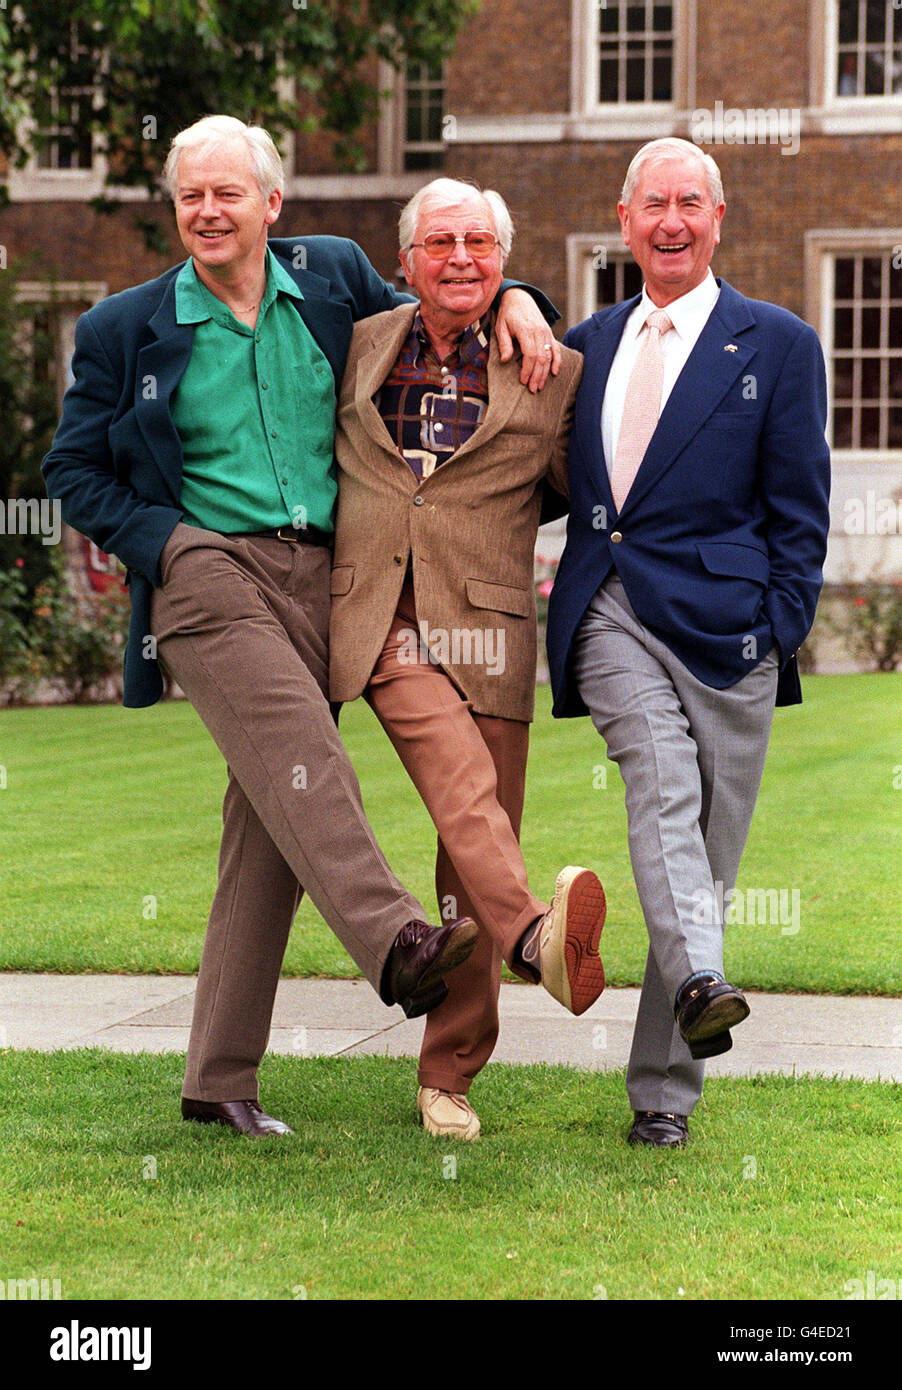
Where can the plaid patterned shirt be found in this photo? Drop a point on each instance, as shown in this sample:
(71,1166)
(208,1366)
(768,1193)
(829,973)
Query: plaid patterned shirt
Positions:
(431,408)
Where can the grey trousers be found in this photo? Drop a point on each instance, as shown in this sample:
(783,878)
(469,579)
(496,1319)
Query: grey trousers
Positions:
(691,758)
(242,625)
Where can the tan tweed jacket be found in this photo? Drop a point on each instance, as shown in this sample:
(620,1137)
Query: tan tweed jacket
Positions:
(470,528)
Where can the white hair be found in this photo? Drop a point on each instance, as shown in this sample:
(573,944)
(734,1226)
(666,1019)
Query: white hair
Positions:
(211,131)
(453,191)
(670,147)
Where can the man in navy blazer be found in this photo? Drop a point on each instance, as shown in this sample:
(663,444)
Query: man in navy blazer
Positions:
(196,444)
(689,579)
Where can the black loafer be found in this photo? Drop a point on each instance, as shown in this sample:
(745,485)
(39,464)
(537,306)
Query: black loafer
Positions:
(419,959)
(662,1131)
(706,1008)
(245,1116)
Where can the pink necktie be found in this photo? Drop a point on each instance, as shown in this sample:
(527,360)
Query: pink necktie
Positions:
(641,407)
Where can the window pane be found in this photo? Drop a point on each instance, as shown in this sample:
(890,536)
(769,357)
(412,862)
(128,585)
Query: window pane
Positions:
(632,279)
(635,19)
(895,428)
(607,89)
(844,277)
(895,280)
(842,328)
(842,379)
(842,428)
(848,21)
(609,18)
(870,379)
(895,328)
(871,275)
(661,69)
(635,78)
(870,328)
(847,77)
(870,429)
(662,19)
(875,24)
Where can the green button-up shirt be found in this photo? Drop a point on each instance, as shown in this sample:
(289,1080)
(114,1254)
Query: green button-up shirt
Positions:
(255,411)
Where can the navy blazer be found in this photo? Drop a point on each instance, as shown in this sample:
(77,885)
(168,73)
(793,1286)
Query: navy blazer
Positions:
(721,541)
(116,459)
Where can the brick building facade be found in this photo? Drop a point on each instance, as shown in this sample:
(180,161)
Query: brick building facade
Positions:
(800,102)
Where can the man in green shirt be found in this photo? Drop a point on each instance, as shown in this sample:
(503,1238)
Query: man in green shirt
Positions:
(196,445)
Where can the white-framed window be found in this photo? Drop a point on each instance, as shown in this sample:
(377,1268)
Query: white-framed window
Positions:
(856,66)
(867,40)
(855,298)
(63,118)
(600,272)
(634,52)
(865,359)
(53,311)
(631,67)
(422,95)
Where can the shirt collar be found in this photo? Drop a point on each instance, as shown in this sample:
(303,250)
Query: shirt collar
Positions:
(194,303)
(684,313)
(471,344)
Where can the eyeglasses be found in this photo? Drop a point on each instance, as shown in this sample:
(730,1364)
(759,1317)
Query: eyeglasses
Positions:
(439,245)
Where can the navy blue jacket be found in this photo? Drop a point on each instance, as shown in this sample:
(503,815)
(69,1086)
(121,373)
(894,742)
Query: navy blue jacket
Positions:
(721,540)
(116,459)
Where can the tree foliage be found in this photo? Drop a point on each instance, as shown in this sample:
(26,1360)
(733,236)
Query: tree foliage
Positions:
(155,66)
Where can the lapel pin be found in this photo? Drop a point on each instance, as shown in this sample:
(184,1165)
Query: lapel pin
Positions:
(731,347)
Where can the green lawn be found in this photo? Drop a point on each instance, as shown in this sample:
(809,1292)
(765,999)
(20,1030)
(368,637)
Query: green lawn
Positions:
(788,1190)
(109,823)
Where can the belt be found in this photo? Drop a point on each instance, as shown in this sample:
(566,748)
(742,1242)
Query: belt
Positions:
(307,535)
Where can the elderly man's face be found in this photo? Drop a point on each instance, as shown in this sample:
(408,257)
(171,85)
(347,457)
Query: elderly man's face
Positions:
(458,289)
(221,213)
(671,226)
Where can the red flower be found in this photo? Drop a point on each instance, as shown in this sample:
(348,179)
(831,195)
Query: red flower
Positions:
(859,603)
(20,563)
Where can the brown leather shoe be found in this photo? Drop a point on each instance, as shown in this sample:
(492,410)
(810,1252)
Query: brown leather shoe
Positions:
(244,1115)
(419,958)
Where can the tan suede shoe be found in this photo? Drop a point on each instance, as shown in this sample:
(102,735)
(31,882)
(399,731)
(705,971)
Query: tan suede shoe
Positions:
(446,1115)
(569,938)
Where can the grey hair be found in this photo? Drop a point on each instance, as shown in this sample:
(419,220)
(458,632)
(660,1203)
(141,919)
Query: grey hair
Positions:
(211,131)
(454,191)
(670,147)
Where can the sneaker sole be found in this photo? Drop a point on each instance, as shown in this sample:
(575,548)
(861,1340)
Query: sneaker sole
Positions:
(572,970)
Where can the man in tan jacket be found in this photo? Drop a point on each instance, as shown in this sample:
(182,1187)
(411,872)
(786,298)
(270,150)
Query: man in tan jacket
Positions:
(441,454)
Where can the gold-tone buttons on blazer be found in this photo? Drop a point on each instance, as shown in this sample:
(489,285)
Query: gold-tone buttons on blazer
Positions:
(616,537)
(418,501)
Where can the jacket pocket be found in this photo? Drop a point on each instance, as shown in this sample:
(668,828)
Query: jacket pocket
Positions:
(342,580)
(501,598)
(734,559)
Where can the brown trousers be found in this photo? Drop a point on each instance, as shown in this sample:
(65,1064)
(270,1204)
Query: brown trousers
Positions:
(242,625)
(470,771)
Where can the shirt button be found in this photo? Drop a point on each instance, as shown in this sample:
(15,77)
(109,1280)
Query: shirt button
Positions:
(438,428)
(399,559)
(418,501)
(616,537)
(264,385)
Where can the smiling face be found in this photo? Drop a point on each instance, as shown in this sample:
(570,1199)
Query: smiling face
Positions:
(459,289)
(671,226)
(221,213)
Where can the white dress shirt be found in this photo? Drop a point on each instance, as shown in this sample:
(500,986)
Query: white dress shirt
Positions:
(688,314)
